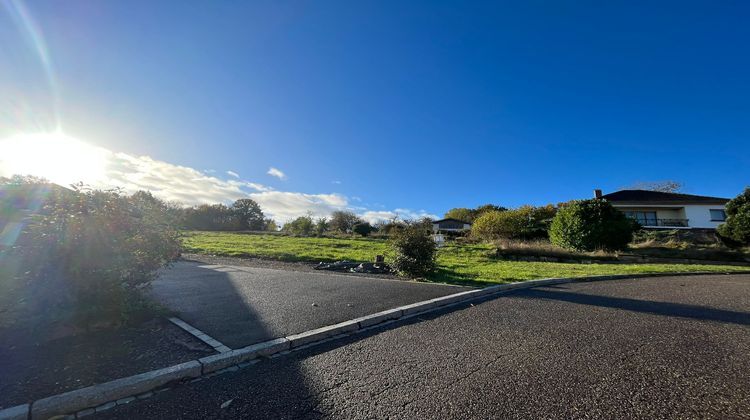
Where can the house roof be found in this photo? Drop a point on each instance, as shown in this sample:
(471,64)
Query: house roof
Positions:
(451,220)
(658,197)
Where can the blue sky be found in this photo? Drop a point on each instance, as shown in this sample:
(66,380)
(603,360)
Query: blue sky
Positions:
(386,105)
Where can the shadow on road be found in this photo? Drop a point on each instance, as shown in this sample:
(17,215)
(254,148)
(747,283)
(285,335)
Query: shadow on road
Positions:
(704,313)
(208,297)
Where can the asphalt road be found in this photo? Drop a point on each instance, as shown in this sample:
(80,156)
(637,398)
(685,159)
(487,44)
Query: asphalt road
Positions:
(671,347)
(240,306)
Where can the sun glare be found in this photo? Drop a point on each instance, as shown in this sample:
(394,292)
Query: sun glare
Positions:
(55,156)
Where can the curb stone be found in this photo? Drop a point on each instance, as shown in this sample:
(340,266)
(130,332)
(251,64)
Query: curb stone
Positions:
(19,412)
(96,395)
(86,400)
(233,357)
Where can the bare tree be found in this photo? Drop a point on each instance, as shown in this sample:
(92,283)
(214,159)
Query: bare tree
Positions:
(668,186)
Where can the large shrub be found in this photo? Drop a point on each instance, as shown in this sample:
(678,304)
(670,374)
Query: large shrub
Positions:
(363,229)
(588,225)
(301,226)
(737,225)
(525,222)
(105,246)
(343,221)
(413,250)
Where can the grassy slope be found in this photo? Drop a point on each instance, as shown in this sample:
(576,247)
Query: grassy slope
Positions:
(457,264)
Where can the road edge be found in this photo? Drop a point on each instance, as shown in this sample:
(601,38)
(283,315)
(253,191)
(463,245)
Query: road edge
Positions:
(83,401)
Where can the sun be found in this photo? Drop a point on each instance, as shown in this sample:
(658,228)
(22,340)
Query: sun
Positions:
(55,156)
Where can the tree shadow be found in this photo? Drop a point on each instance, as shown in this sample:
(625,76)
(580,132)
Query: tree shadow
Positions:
(703,313)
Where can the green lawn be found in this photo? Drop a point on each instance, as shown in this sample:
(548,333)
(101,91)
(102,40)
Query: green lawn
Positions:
(456,263)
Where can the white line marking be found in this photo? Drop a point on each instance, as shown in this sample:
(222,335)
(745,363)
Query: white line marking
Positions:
(200,335)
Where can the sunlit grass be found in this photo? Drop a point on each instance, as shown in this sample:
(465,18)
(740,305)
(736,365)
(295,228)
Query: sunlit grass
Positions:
(472,264)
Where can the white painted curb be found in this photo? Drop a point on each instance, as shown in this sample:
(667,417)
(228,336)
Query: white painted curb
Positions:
(121,391)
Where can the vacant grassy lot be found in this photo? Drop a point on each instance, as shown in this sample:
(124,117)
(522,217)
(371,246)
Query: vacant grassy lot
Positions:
(457,264)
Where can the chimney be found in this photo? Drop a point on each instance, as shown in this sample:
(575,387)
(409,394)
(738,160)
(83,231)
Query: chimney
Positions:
(598,193)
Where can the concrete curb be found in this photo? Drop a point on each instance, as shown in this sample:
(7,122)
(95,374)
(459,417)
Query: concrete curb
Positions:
(121,391)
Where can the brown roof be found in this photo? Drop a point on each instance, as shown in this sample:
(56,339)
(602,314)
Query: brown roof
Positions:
(658,197)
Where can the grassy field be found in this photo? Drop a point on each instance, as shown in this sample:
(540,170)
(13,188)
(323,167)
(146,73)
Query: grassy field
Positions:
(456,263)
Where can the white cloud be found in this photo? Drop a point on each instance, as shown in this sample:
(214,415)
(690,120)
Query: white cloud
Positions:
(172,182)
(337,182)
(277,173)
(233,174)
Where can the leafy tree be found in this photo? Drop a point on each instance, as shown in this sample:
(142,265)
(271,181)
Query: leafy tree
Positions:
(363,229)
(737,225)
(321,226)
(270,225)
(301,226)
(526,222)
(413,250)
(248,214)
(588,225)
(487,207)
(343,221)
(211,217)
(461,213)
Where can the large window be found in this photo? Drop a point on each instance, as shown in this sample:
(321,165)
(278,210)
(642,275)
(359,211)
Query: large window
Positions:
(645,218)
(718,215)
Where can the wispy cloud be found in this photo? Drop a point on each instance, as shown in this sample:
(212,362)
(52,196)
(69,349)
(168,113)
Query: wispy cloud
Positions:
(190,186)
(277,173)
(233,174)
(337,182)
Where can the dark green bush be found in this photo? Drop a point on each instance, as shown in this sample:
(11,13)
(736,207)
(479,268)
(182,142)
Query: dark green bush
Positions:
(363,229)
(588,225)
(106,246)
(413,250)
(737,225)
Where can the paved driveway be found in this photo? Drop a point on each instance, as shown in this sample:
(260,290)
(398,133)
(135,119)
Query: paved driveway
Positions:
(672,347)
(240,306)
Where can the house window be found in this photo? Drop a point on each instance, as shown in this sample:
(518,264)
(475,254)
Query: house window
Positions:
(718,215)
(644,218)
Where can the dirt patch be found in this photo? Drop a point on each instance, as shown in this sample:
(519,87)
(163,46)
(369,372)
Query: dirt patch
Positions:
(34,371)
(274,264)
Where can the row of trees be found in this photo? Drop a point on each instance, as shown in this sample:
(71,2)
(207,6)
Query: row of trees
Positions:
(341,221)
(243,214)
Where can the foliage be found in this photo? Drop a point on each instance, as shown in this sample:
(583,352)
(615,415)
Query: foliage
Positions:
(106,246)
(248,214)
(211,217)
(460,213)
(525,222)
(343,221)
(464,263)
(413,250)
(588,225)
(363,229)
(321,226)
(737,225)
(270,225)
(301,226)
(470,215)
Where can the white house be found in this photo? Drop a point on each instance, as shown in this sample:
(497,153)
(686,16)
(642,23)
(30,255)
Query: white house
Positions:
(662,210)
(450,225)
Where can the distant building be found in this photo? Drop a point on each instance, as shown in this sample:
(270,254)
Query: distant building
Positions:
(655,209)
(450,225)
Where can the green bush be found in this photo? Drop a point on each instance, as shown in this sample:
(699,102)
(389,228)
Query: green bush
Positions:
(301,226)
(737,225)
(363,229)
(525,222)
(106,246)
(413,250)
(588,225)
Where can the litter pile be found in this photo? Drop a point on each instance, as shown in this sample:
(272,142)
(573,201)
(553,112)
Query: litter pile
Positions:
(355,267)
